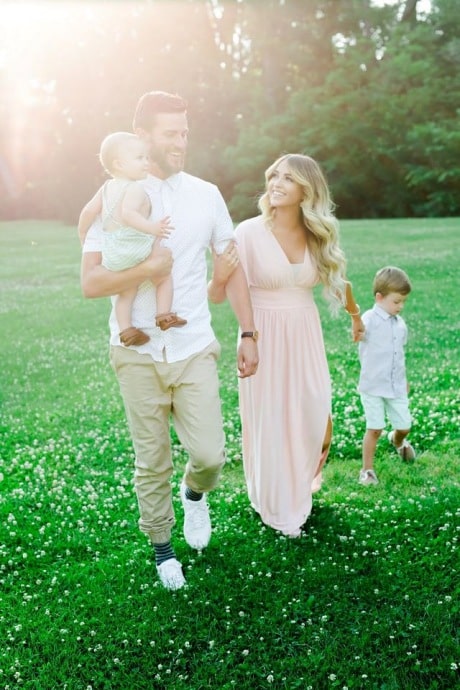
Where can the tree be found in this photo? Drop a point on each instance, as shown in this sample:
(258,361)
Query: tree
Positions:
(368,123)
(371,91)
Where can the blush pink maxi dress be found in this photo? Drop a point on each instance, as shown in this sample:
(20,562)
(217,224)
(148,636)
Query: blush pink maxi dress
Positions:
(285,406)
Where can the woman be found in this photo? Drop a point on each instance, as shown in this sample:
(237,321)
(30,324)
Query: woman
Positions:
(286,407)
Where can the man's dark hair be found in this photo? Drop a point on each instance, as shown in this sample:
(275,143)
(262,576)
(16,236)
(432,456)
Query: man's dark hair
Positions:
(154,102)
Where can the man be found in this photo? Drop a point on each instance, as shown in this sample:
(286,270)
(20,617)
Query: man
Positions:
(175,372)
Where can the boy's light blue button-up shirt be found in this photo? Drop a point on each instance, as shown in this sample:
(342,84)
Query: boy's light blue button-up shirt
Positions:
(381,354)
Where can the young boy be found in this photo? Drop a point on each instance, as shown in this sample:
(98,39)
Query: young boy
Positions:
(129,235)
(382,382)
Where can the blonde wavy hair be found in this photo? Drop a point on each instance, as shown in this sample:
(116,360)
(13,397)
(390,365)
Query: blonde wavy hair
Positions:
(320,223)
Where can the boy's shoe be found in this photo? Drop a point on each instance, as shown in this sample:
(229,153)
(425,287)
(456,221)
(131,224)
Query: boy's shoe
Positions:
(170,574)
(368,477)
(405,450)
(197,523)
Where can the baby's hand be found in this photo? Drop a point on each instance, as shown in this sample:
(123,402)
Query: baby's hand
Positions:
(164,227)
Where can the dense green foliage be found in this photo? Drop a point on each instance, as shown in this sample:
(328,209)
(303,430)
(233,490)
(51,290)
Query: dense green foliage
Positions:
(367,599)
(371,91)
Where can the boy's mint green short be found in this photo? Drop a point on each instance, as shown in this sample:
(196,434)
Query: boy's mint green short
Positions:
(376,409)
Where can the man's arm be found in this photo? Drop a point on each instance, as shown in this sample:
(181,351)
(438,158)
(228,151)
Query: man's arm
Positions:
(238,295)
(97,281)
(229,281)
(89,214)
(236,290)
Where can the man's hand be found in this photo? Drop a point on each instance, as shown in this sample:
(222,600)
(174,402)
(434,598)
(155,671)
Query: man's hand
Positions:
(97,281)
(248,358)
(159,263)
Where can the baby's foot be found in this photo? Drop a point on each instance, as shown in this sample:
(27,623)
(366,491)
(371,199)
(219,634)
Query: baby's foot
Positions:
(133,336)
(168,320)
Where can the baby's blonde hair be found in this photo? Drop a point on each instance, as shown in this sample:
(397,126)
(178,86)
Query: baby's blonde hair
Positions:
(319,220)
(111,148)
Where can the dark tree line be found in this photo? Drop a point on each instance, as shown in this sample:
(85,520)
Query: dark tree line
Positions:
(372,92)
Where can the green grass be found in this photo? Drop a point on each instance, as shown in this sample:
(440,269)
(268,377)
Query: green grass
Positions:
(367,598)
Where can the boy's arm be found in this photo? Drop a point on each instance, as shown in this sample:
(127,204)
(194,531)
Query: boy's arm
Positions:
(89,214)
(97,281)
(133,200)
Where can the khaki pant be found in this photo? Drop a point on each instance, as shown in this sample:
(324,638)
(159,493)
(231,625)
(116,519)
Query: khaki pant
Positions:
(151,392)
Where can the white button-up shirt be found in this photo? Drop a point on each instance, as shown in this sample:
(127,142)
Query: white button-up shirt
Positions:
(201,220)
(381,353)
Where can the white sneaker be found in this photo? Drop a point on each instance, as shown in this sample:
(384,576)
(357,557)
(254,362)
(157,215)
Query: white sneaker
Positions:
(197,523)
(368,477)
(405,450)
(170,574)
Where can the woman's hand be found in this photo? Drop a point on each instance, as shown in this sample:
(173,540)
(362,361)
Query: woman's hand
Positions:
(223,266)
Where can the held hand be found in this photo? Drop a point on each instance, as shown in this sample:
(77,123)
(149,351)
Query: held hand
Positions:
(248,358)
(225,263)
(357,329)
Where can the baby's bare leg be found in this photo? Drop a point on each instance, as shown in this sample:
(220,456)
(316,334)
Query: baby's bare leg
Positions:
(165,317)
(123,308)
(129,335)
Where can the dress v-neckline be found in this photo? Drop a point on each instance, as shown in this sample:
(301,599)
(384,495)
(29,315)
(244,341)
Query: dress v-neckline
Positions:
(284,253)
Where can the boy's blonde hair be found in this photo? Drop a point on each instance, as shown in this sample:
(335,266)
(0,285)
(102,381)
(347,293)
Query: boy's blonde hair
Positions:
(391,279)
(111,148)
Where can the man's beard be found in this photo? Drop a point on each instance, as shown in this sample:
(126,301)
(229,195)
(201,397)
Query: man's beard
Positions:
(161,159)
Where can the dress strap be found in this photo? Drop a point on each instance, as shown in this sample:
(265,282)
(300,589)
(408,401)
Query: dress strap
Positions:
(108,215)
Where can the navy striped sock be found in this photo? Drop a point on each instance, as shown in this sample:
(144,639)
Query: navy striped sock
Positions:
(192,495)
(163,552)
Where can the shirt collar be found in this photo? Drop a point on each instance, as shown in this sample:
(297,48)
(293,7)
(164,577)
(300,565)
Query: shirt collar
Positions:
(381,312)
(172,181)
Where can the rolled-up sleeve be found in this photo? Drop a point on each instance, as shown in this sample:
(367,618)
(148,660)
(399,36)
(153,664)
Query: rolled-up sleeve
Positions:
(94,238)
(223,232)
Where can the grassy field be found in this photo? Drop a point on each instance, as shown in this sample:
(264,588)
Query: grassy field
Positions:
(368,598)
